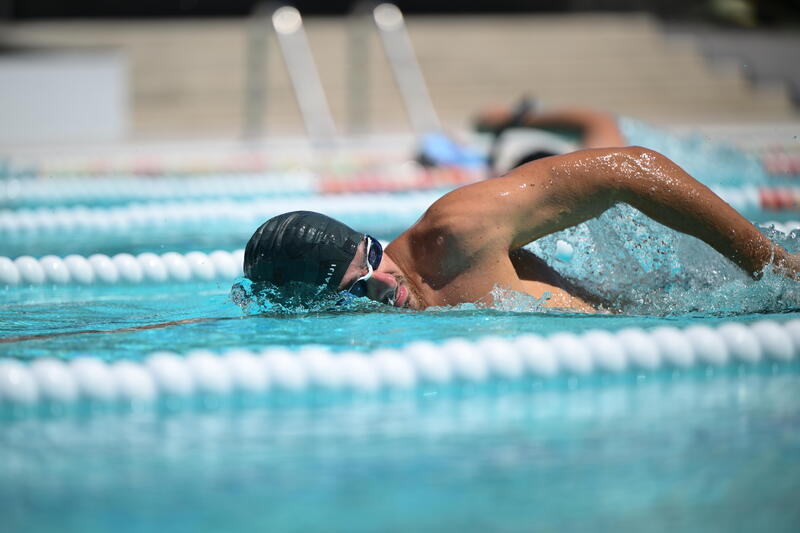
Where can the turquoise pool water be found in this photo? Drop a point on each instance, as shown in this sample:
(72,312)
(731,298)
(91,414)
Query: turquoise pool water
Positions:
(698,449)
(692,453)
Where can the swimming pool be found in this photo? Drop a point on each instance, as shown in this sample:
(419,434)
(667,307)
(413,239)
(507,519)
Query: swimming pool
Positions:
(680,413)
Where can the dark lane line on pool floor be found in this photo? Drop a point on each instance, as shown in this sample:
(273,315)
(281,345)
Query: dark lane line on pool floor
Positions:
(160,325)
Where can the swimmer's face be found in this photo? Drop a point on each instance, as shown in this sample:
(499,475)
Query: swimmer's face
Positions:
(387,284)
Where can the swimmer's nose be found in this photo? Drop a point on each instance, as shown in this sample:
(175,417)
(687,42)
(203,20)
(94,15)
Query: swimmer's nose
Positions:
(381,287)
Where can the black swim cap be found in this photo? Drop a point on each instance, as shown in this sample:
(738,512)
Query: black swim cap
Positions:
(301,246)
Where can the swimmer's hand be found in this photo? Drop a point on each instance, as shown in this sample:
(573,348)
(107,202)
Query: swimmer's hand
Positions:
(496,119)
(492,119)
(787,264)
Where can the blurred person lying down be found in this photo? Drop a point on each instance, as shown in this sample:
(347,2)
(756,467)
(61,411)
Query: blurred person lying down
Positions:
(524,133)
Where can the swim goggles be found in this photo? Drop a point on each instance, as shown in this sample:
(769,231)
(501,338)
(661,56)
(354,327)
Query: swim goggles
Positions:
(374,257)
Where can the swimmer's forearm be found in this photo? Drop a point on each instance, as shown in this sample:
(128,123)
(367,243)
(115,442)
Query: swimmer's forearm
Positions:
(556,193)
(666,193)
(598,129)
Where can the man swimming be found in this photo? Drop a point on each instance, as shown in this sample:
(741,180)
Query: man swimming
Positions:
(471,240)
(592,128)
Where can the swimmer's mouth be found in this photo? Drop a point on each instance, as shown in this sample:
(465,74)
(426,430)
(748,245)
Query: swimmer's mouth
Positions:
(400,296)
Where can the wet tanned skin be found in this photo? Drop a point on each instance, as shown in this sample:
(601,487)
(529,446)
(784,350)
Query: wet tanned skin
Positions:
(469,240)
(596,129)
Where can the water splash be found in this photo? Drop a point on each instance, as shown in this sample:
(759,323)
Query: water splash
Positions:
(500,299)
(294,299)
(298,299)
(643,268)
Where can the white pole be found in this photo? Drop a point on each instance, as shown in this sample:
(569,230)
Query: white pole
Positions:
(307,86)
(407,74)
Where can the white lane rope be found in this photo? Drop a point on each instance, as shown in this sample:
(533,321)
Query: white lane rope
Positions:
(124,268)
(298,182)
(390,209)
(418,365)
(115,220)
(148,188)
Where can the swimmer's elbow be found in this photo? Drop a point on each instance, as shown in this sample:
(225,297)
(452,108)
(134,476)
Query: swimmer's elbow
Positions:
(641,158)
(635,167)
(636,150)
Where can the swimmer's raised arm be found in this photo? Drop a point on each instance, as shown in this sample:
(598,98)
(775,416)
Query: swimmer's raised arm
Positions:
(597,129)
(558,192)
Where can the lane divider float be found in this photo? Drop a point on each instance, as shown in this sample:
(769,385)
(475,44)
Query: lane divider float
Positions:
(782,163)
(113,220)
(416,366)
(54,191)
(122,268)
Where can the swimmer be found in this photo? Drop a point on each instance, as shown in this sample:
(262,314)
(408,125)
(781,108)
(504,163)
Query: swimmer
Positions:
(471,239)
(550,132)
(555,132)
(592,128)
